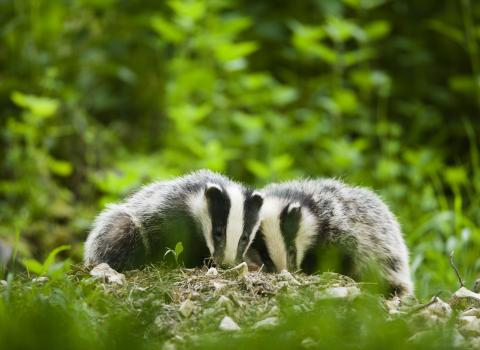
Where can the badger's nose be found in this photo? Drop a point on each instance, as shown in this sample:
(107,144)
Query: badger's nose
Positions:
(225,265)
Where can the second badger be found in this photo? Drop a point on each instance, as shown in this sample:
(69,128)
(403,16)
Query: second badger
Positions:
(320,225)
(212,215)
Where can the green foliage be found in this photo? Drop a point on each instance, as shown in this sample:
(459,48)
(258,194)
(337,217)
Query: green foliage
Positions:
(100,97)
(49,268)
(78,313)
(175,252)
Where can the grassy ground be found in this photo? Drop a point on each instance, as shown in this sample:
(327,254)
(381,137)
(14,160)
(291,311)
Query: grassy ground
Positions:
(160,308)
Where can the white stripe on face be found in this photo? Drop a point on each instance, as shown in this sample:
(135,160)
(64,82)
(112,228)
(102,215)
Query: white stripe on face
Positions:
(270,227)
(234,223)
(306,234)
(199,208)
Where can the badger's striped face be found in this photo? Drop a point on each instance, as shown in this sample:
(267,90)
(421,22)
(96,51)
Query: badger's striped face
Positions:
(251,221)
(286,232)
(228,216)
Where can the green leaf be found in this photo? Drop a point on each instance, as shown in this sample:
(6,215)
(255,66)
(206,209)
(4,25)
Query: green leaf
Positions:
(456,175)
(39,106)
(377,29)
(166,30)
(192,10)
(178,249)
(346,100)
(232,51)
(33,265)
(448,31)
(51,256)
(59,167)
(258,168)
(341,30)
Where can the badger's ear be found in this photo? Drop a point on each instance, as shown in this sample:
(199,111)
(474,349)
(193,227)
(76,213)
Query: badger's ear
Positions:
(294,210)
(213,192)
(256,200)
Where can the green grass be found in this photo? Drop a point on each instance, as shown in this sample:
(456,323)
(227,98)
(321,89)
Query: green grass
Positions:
(74,311)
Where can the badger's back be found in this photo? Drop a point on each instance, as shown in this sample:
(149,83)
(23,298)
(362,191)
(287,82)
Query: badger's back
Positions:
(138,230)
(353,220)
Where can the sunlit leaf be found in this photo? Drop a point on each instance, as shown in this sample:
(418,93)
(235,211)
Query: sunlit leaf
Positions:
(166,30)
(232,51)
(59,167)
(377,29)
(39,106)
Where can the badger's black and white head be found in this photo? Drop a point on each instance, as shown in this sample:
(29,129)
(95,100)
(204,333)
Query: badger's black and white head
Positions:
(228,215)
(287,230)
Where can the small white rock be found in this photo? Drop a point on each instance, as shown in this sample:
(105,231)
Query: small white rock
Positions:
(309,343)
(105,273)
(186,308)
(218,286)
(227,324)
(159,321)
(3,283)
(269,322)
(471,312)
(469,325)
(224,302)
(238,271)
(212,272)
(474,343)
(287,276)
(168,345)
(339,293)
(466,319)
(440,308)
(465,298)
(273,311)
(40,279)
(458,339)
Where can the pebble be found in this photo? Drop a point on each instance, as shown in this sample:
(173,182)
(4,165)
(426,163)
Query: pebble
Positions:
(309,343)
(287,276)
(218,286)
(224,302)
(40,279)
(169,346)
(469,326)
(339,293)
(471,312)
(186,308)
(440,308)
(238,271)
(212,272)
(464,298)
(227,324)
(105,273)
(269,322)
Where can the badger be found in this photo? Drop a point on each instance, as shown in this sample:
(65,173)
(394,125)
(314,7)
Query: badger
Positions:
(212,216)
(322,224)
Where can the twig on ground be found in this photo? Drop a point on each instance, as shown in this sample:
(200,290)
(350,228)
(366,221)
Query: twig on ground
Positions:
(452,263)
(423,306)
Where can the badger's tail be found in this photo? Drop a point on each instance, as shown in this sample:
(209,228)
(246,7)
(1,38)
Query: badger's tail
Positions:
(116,239)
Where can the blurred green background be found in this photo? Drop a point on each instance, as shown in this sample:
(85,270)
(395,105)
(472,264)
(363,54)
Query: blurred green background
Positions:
(100,96)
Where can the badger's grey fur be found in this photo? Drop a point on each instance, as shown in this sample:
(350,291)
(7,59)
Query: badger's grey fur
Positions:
(212,215)
(316,225)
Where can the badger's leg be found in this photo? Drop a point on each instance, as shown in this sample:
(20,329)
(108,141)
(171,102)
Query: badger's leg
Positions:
(397,274)
(116,239)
